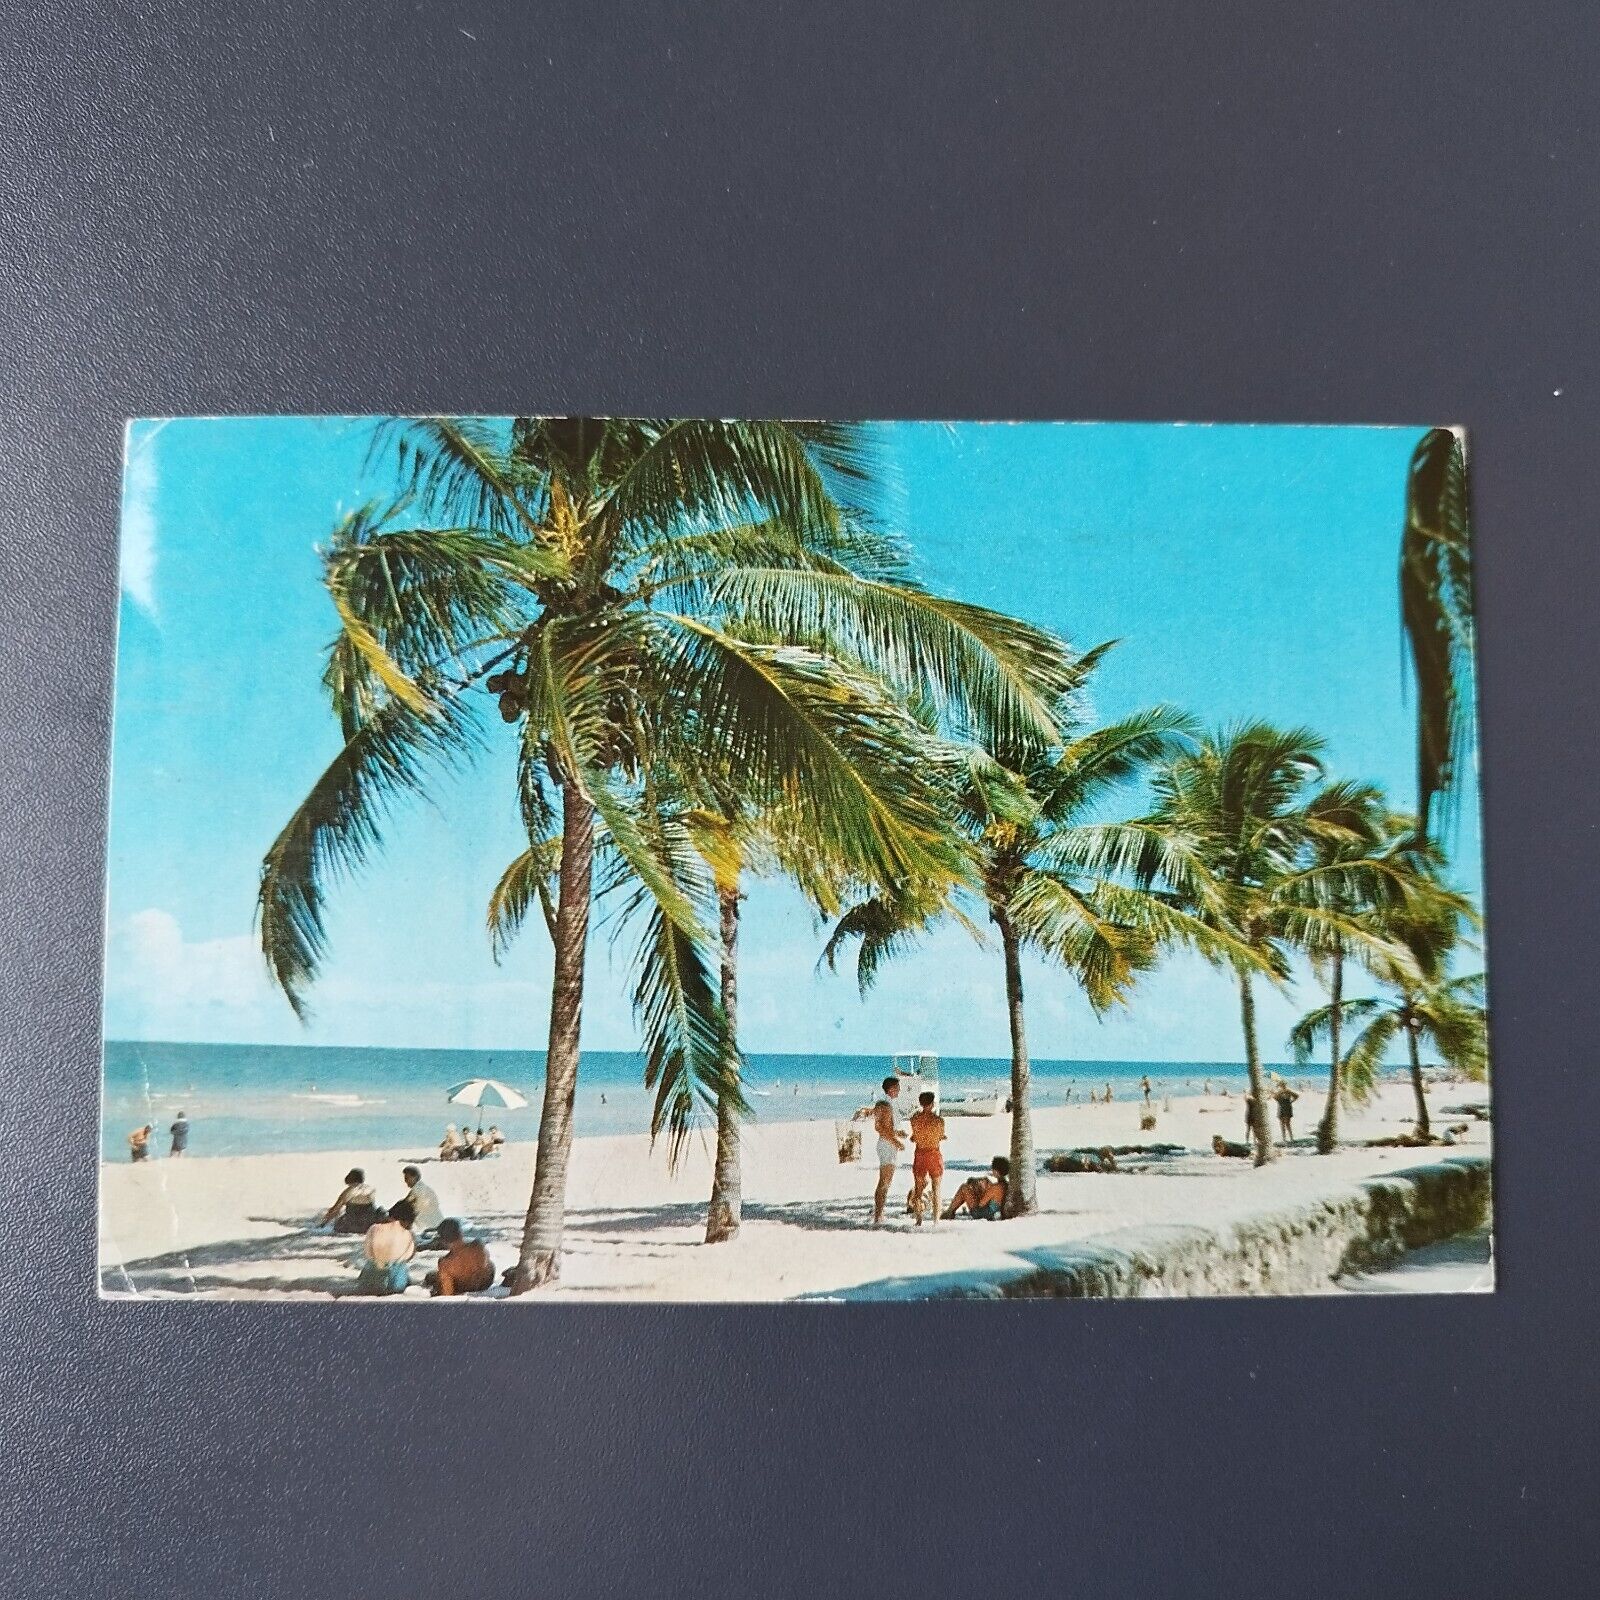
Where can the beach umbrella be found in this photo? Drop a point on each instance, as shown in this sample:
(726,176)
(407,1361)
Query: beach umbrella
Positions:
(481,1092)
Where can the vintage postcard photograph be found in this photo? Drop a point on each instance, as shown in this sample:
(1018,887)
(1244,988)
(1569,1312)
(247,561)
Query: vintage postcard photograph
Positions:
(672,859)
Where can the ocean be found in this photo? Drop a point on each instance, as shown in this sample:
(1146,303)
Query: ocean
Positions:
(245,1099)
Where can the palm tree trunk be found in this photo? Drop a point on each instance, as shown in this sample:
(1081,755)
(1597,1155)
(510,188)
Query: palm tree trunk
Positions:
(1252,1057)
(1021,1193)
(1416,1081)
(1328,1128)
(727,1186)
(540,1260)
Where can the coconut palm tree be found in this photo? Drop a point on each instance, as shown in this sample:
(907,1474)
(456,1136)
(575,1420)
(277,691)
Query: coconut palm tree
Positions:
(739,842)
(618,585)
(1249,798)
(1053,878)
(1426,1003)
(1438,613)
(1361,810)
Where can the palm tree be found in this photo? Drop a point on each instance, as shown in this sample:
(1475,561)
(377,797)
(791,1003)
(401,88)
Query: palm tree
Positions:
(1053,880)
(735,841)
(621,587)
(1438,613)
(1425,1004)
(1248,798)
(1363,812)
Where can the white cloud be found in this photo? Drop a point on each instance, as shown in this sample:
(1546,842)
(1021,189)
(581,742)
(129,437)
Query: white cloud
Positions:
(138,563)
(153,965)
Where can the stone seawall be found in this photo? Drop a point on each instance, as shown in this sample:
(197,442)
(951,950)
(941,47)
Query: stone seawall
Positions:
(1299,1249)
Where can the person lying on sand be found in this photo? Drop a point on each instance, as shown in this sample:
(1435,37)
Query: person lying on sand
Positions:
(464,1268)
(357,1207)
(983,1197)
(385,1252)
(1226,1147)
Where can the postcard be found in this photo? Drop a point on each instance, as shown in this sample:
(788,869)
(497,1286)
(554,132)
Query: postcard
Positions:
(679,859)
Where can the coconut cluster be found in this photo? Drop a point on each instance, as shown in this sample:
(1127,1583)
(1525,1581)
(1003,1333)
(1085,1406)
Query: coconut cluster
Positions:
(512,689)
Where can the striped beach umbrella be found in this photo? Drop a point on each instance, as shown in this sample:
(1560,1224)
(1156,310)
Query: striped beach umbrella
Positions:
(481,1092)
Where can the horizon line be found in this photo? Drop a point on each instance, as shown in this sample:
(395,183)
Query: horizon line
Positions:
(799,1055)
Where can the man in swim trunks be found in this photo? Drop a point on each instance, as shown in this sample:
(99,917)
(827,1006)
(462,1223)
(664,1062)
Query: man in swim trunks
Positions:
(927,1161)
(890,1143)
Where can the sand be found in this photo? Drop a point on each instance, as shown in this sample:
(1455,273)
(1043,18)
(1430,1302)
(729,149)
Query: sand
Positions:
(239,1226)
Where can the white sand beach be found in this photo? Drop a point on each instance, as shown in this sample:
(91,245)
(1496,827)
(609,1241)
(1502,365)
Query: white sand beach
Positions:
(239,1226)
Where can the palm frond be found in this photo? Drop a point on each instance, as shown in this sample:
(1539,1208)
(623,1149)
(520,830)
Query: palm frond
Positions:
(1076,931)
(689,1058)
(1316,1025)
(413,600)
(1089,766)
(1458,1030)
(701,472)
(993,675)
(336,827)
(354,692)
(1437,611)
(458,468)
(1169,921)
(524,884)
(885,925)
(1363,1061)
(807,733)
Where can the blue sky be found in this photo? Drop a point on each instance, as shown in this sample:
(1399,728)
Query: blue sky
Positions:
(1248,571)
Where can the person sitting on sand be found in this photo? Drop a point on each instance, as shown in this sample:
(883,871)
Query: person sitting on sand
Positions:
(495,1138)
(464,1268)
(385,1252)
(357,1207)
(139,1143)
(927,1161)
(450,1145)
(890,1143)
(1286,1097)
(424,1203)
(983,1197)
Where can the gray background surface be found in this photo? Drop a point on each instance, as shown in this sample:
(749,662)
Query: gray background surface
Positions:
(1363,213)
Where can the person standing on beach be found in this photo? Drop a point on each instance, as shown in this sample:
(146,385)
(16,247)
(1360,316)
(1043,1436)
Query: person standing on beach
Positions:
(927,1160)
(1144,1083)
(180,1135)
(890,1143)
(1286,1097)
(139,1143)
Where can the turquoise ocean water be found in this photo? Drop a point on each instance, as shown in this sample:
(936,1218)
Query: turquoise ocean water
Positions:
(244,1099)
